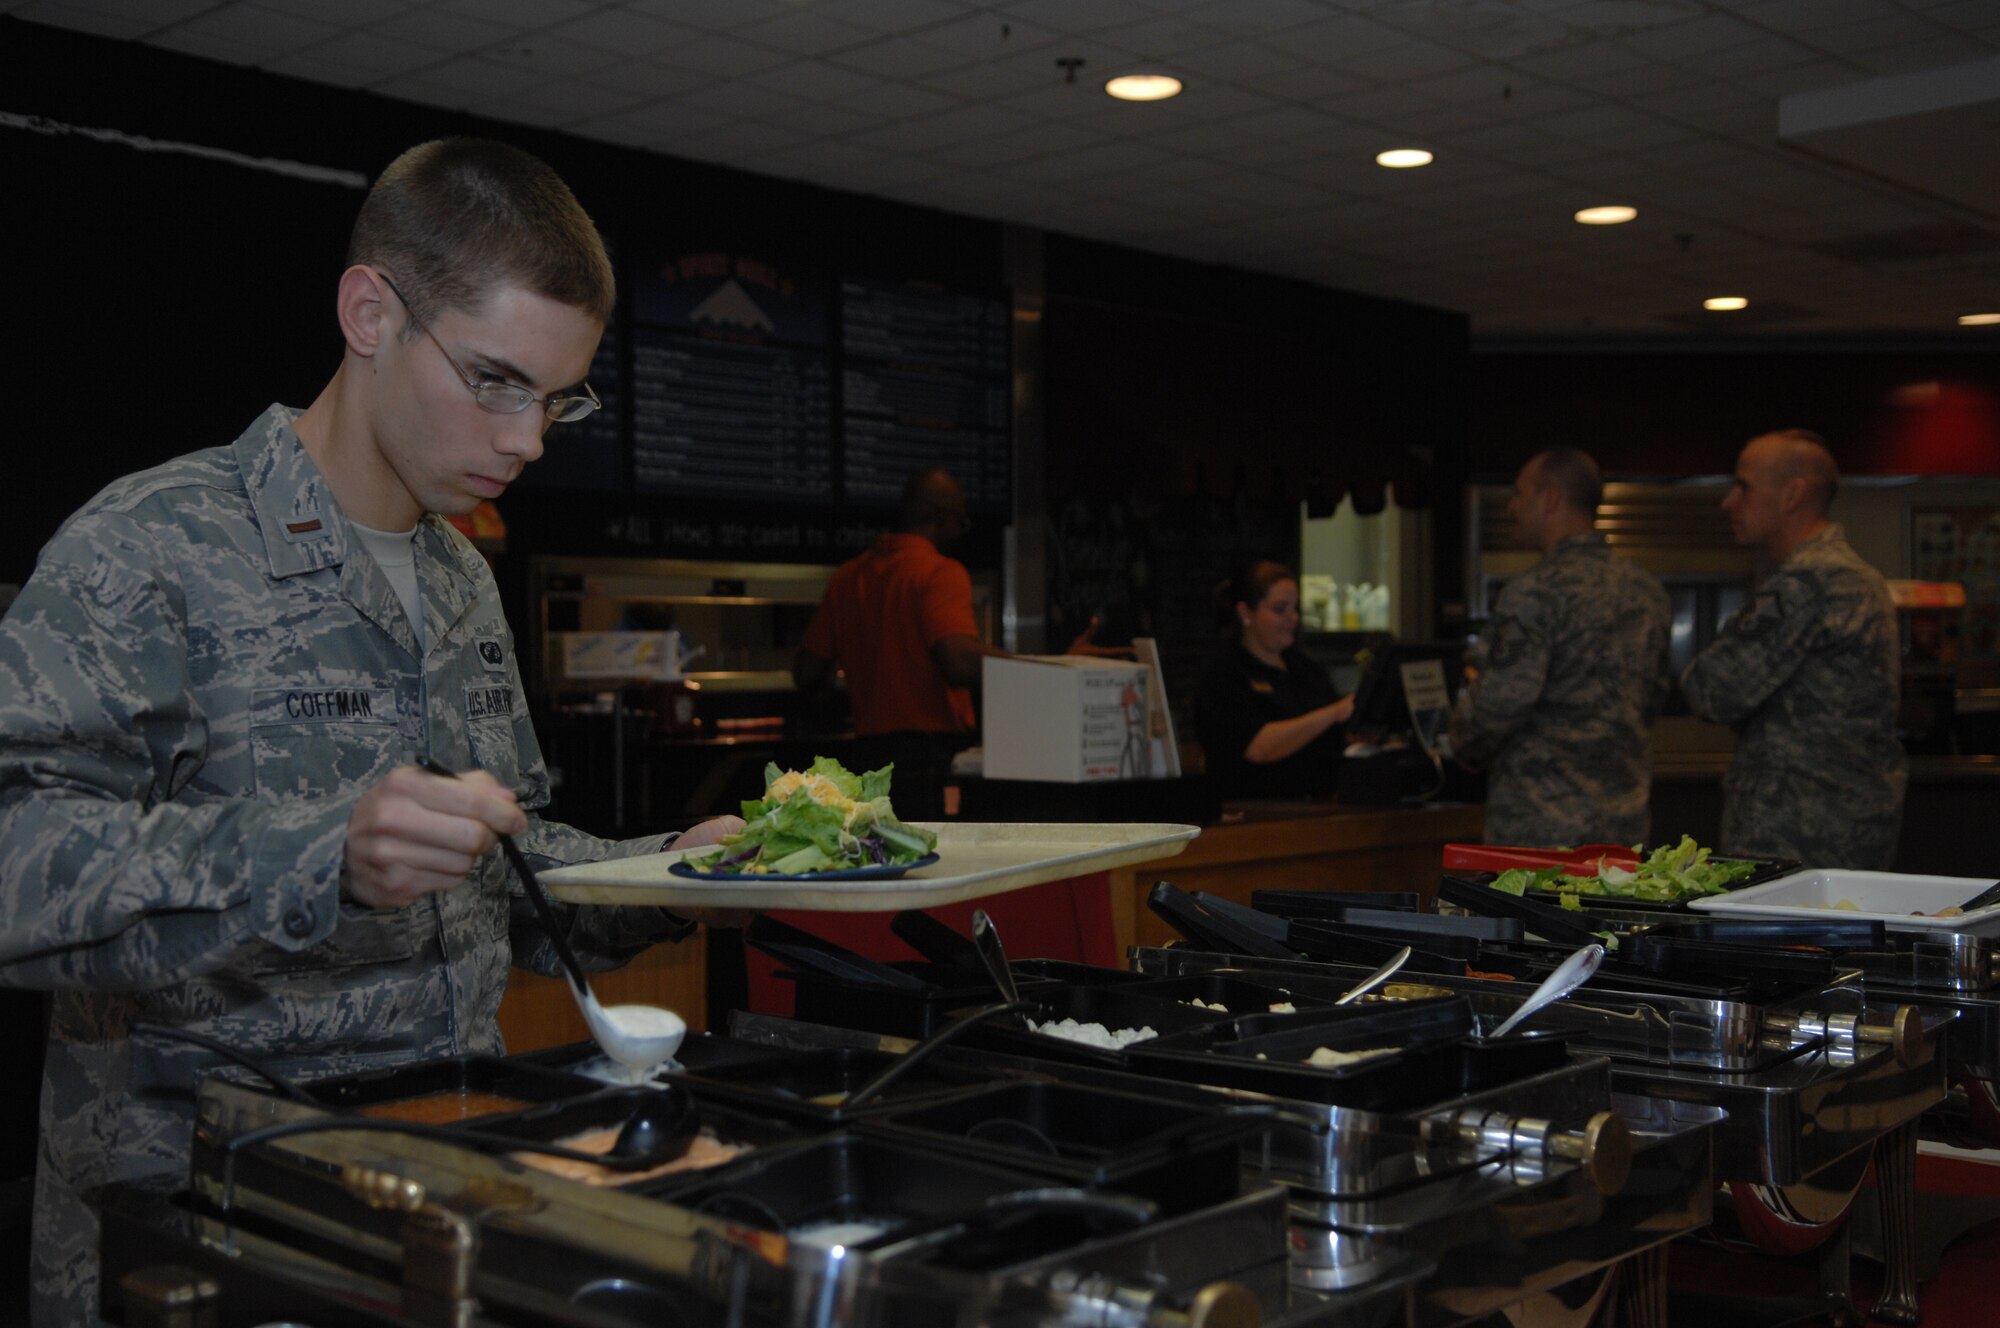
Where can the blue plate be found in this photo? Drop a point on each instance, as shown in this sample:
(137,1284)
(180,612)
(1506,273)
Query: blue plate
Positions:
(888,872)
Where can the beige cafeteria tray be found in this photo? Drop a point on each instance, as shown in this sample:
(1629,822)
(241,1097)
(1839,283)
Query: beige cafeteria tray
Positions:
(974,860)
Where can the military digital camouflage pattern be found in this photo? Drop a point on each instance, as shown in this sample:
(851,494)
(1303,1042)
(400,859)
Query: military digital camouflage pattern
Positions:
(1808,674)
(202,676)
(1573,665)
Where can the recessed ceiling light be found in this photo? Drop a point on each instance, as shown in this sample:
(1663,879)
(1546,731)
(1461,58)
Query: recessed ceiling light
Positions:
(1723,302)
(1401,159)
(1978,320)
(1144,87)
(1613,215)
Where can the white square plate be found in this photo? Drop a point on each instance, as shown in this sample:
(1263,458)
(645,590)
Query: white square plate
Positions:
(1892,898)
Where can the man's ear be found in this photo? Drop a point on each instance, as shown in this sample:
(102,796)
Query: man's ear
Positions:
(364,305)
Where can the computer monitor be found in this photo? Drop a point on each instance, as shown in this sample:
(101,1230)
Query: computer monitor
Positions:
(1379,703)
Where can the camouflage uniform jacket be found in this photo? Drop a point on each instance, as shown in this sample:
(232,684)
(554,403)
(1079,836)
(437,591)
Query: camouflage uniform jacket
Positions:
(202,676)
(1572,668)
(1808,674)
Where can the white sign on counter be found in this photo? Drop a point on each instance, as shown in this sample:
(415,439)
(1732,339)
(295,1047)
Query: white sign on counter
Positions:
(1065,719)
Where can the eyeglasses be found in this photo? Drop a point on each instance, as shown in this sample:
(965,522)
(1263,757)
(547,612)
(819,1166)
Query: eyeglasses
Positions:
(503,398)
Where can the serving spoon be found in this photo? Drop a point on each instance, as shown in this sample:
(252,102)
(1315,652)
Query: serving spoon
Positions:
(1377,978)
(640,1038)
(1573,972)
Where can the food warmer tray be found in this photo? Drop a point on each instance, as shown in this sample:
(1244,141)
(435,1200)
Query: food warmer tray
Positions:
(385,1218)
(1509,1191)
(974,860)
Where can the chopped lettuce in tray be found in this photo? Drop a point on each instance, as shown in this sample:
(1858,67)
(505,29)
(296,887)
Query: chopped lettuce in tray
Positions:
(1677,871)
(826,818)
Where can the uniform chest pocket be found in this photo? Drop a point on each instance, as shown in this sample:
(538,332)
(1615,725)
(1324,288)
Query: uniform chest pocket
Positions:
(316,742)
(362,937)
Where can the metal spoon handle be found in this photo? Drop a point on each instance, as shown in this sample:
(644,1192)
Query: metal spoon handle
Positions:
(1571,973)
(987,939)
(1377,978)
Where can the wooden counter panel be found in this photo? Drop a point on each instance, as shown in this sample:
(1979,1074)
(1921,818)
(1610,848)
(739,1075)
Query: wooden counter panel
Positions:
(540,1012)
(1400,849)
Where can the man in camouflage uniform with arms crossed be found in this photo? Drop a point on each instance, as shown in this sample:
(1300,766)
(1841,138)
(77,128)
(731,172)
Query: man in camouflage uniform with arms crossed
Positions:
(214,688)
(1567,674)
(1807,673)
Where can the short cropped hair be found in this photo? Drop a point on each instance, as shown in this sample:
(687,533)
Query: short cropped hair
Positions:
(455,219)
(1574,475)
(1810,459)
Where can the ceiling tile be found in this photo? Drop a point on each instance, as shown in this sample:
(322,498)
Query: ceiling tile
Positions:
(649,78)
(549,56)
(478,77)
(897,58)
(625,32)
(1930,53)
(352,13)
(356,59)
(1806,16)
(893,100)
(94,22)
(810,32)
(267,30)
(210,46)
(523,14)
(446,32)
(1693,40)
(721,56)
(1073,16)
(815,80)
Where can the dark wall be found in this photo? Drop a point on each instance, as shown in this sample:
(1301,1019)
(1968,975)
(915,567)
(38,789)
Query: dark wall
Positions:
(1927,407)
(166,295)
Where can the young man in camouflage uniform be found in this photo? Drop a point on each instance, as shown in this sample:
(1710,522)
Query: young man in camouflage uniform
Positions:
(1807,673)
(1569,672)
(214,686)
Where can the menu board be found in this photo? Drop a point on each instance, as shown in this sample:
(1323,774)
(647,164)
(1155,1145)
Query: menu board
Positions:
(924,382)
(731,385)
(726,382)
(720,418)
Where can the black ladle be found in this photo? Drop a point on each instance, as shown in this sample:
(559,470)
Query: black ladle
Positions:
(638,1051)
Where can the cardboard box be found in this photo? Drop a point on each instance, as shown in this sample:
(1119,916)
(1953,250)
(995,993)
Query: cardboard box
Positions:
(616,655)
(1067,719)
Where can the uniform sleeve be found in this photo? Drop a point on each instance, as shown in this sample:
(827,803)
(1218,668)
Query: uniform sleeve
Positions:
(106,881)
(1515,647)
(947,604)
(1760,647)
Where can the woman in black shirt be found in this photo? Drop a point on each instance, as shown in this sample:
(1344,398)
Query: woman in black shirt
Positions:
(1270,719)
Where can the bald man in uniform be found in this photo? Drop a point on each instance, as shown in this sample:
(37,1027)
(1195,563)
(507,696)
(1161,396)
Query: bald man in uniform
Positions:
(1807,673)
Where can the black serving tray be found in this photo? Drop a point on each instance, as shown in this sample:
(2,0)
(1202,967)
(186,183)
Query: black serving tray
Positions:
(1180,1155)
(799,1085)
(900,1011)
(1115,1007)
(846,1177)
(1329,903)
(1438,1056)
(744,1126)
(500,1076)
(1236,994)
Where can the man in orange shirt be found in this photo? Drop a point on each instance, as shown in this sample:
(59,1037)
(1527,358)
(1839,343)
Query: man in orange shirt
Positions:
(898,619)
